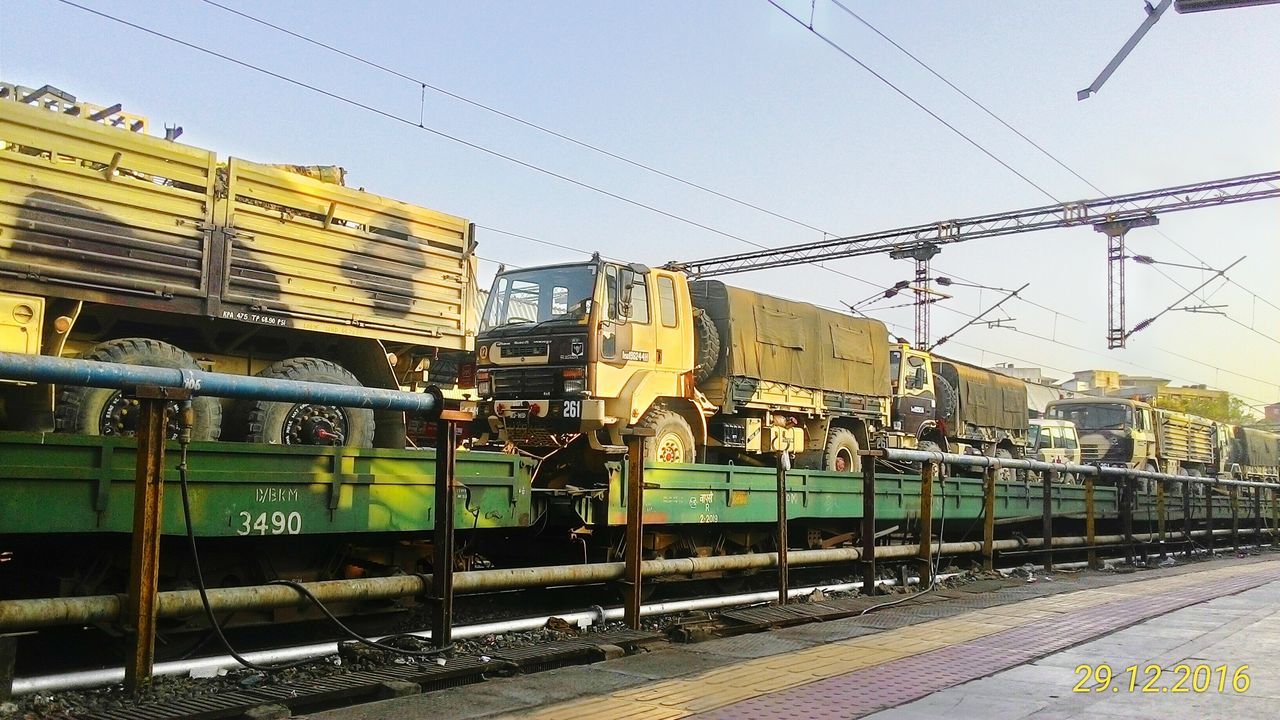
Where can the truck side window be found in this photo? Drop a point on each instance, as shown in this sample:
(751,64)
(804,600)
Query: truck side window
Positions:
(640,301)
(1139,418)
(1069,439)
(666,301)
(611,291)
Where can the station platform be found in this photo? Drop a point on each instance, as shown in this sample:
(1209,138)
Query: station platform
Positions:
(1013,651)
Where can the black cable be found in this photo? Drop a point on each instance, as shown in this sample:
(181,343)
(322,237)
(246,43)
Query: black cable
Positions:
(301,590)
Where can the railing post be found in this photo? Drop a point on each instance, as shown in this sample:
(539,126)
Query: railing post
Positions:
(442,533)
(784,464)
(144,561)
(1091,517)
(1187,489)
(1049,480)
(1257,517)
(989,518)
(1208,516)
(924,555)
(1275,517)
(8,655)
(1160,517)
(1234,495)
(635,525)
(1128,488)
(868,525)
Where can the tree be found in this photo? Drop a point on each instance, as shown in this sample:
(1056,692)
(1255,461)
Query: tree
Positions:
(1226,409)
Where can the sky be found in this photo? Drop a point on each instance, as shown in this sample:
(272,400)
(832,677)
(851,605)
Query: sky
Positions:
(737,97)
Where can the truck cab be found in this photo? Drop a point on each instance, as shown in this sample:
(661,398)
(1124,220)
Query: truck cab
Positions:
(914,393)
(1113,431)
(1053,441)
(582,348)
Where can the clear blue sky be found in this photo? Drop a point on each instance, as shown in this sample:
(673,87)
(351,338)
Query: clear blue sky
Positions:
(738,97)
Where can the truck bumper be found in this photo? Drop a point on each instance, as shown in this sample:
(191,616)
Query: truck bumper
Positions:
(521,419)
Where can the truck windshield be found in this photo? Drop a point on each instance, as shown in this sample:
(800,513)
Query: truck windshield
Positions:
(538,295)
(1106,416)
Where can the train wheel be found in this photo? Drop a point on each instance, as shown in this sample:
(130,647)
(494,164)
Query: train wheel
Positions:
(282,423)
(672,441)
(103,411)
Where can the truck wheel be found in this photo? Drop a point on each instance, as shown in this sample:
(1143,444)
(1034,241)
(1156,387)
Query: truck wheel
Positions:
(672,441)
(945,409)
(706,345)
(1005,474)
(103,411)
(282,423)
(841,453)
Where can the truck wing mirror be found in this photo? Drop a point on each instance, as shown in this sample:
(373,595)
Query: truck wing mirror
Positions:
(627,281)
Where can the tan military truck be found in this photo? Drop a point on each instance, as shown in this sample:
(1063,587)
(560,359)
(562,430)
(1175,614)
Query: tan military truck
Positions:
(1131,433)
(116,245)
(571,355)
(942,404)
(1054,441)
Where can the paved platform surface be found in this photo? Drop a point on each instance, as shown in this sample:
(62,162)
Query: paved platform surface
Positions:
(1012,653)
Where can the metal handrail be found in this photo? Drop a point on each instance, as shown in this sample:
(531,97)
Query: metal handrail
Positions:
(1097,470)
(90,373)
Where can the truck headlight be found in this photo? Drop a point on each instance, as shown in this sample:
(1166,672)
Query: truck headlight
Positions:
(484,388)
(575,379)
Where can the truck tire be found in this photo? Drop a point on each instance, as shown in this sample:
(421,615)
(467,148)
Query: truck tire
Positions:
(103,411)
(945,407)
(706,346)
(282,423)
(1005,474)
(841,452)
(672,441)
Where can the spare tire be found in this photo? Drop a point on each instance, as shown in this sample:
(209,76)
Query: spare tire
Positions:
(945,407)
(283,423)
(104,411)
(706,346)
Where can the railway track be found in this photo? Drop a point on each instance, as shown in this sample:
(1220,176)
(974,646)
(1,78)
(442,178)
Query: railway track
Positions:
(344,674)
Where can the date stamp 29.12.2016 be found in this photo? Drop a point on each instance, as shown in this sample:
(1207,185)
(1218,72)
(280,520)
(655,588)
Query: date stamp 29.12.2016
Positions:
(1153,678)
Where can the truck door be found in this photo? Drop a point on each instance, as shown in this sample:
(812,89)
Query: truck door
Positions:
(626,345)
(1143,435)
(913,385)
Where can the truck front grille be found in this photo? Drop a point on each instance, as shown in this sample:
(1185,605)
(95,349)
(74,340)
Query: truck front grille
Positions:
(518,384)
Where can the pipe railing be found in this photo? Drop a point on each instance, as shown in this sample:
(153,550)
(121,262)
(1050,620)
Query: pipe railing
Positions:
(1097,470)
(118,376)
(155,388)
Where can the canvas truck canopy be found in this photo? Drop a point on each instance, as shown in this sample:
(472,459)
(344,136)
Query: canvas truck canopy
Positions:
(984,398)
(784,341)
(1256,448)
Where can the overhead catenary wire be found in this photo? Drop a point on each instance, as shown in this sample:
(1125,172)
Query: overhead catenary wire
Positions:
(840,49)
(425,85)
(930,69)
(439,133)
(409,122)
(515,118)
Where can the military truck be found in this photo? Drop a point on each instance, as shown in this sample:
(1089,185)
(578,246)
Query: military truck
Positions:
(942,404)
(1251,453)
(119,246)
(570,356)
(1131,433)
(580,352)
